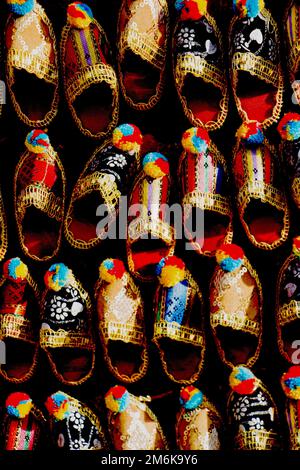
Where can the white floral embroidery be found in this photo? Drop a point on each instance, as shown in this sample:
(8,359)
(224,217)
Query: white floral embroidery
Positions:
(78,420)
(186,38)
(58,309)
(240,408)
(261,399)
(256,423)
(116,161)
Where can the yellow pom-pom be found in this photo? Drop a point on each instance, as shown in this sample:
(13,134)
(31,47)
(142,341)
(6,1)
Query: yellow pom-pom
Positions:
(170,271)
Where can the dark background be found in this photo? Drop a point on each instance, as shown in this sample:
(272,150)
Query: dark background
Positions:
(166,122)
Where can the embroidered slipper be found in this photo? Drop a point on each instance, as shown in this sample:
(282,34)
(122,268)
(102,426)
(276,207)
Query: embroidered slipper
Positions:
(121,322)
(205,192)
(66,330)
(143,33)
(288,304)
(106,177)
(178,328)
(131,423)
(39,196)
(198,65)
(289,130)
(199,425)
(31,63)
(236,307)
(261,201)
(290,383)
(90,82)
(150,236)
(23,423)
(292,44)
(19,307)
(252,412)
(73,425)
(256,73)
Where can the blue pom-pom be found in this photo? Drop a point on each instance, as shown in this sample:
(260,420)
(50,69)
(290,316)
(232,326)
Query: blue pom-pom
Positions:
(20,7)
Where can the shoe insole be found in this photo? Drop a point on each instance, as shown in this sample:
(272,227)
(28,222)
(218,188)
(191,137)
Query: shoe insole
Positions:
(146,254)
(140,78)
(182,359)
(265,222)
(125,357)
(34,95)
(40,232)
(19,358)
(84,219)
(257,97)
(208,229)
(203,99)
(94,107)
(72,363)
(291,340)
(238,346)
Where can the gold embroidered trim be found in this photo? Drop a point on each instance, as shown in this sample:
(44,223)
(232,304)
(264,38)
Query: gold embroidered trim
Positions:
(141,226)
(3,230)
(256,440)
(61,338)
(32,64)
(128,333)
(17,327)
(42,198)
(296,191)
(89,76)
(288,313)
(295,440)
(208,201)
(164,329)
(199,67)
(49,77)
(293,59)
(263,69)
(102,182)
(236,322)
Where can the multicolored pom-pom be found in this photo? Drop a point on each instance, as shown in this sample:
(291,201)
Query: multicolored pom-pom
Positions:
(111,270)
(58,405)
(18,405)
(243,381)
(37,141)
(58,276)
(190,397)
(296,246)
(195,140)
(251,133)
(290,382)
(289,127)
(15,270)
(117,399)
(127,137)
(248,8)
(155,165)
(229,257)
(20,7)
(191,9)
(79,15)
(170,271)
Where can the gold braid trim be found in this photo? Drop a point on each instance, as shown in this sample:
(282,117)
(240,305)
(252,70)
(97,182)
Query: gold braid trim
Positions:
(128,333)
(164,329)
(236,322)
(141,45)
(89,76)
(257,66)
(296,191)
(62,338)
(208,201)
(262,191)
(32,64)
(102,182)
(295,440)
(39,196)
(141,226)
(196,65)
(293,59)
(17,327)
(288,313)
(256,440)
